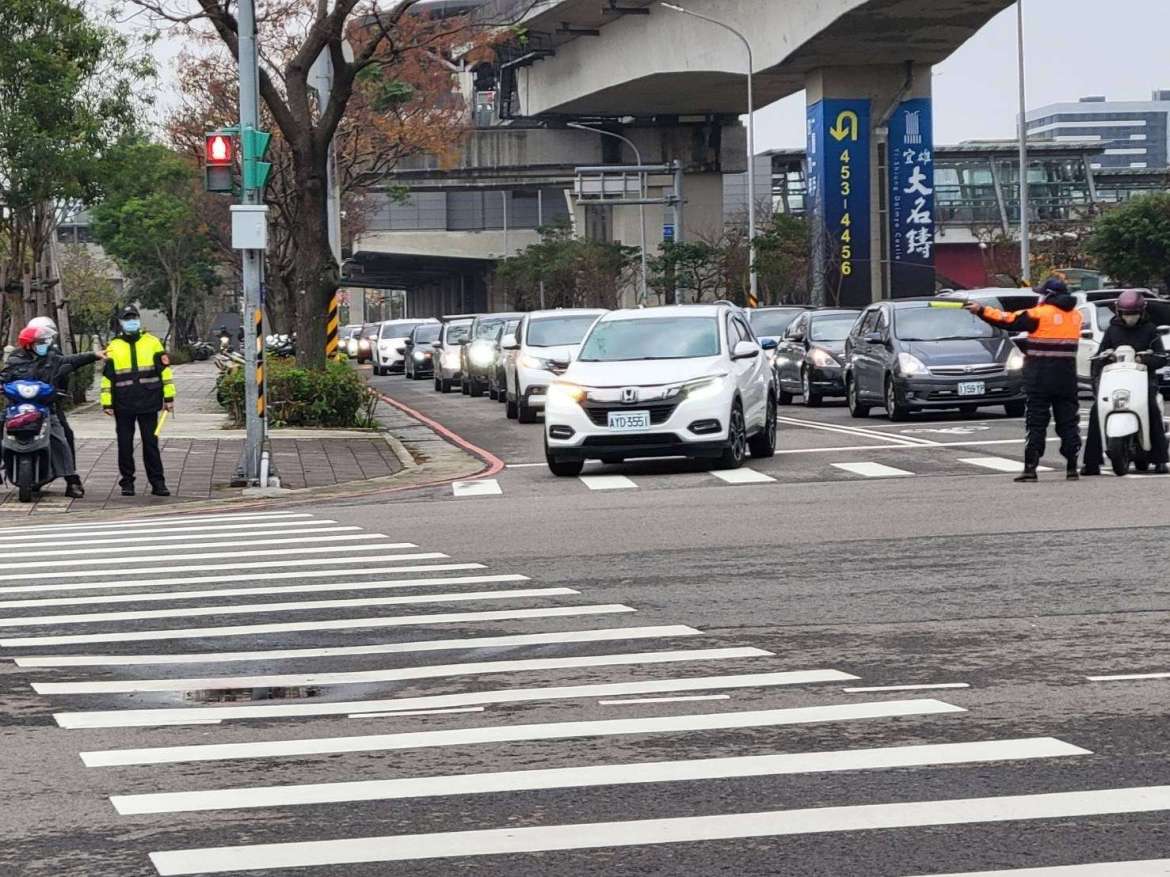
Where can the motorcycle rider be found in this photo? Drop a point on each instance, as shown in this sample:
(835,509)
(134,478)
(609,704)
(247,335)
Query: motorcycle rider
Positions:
(1050,371)
(63,386)
(137,385)
(36,360)
(1132,327)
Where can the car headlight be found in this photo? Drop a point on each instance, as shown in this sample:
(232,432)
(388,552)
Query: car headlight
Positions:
(562,392)
(364,344)
(822,358)
(1015,361)
(703,388)
(419,356)
(530,361)
(1121,398)
(911,365)
(481,355)
(451,358)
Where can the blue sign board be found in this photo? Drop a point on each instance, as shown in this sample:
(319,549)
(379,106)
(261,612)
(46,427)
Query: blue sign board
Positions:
(911,163)
(839,202)
(668,233)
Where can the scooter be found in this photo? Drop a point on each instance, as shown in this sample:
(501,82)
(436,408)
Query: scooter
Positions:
(28,462)
(1123,409)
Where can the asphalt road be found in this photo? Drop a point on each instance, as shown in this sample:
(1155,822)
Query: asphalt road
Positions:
(766,604)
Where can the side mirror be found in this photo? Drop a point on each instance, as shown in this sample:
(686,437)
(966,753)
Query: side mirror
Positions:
(462,342)
(510,345)
(874,338)
(798,337)
(402,349)
(769,344)
(745,350)
(1087,334)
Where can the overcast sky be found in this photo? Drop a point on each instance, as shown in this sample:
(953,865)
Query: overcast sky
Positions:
(1117,48)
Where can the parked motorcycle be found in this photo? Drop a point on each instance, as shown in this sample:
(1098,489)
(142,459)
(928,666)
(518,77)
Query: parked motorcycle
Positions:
(1123,409)
(27,460)
(202,351)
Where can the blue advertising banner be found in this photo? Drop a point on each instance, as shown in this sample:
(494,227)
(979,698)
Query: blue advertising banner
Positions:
(911,163)
(838,192)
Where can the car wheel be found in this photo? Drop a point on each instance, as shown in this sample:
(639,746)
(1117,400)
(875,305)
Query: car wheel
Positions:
(562,468)
(444,385)
(493,394)
(736,450)
(894,411)
(1016,409)
(438,385)
(763,443)
(785,397)
(811,399)
(525,413)
(510,409)
(464,387)
(853,398)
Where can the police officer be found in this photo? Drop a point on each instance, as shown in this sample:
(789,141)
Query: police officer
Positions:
(137,385)
(1050,371)
(1132,327)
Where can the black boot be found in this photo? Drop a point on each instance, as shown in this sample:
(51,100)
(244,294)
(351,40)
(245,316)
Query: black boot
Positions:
(1161,469)
(1070,472)
(1089,470)
(159,489)
(127,488)
(73,488)
(1027,476)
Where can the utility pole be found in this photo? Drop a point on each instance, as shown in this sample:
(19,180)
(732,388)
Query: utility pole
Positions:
(1025,219)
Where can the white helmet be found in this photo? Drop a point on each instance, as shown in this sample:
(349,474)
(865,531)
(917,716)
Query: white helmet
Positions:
(43,323)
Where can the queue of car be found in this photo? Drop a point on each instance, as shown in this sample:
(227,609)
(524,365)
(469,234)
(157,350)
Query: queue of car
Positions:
(705,381)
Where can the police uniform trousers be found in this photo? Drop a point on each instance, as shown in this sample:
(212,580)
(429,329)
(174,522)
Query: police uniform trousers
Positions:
(146,424)
(1051,389)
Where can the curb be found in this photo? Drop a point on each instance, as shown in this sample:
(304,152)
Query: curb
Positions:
(494,465)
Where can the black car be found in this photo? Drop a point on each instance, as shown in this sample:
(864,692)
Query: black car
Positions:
(498,376)
(418,354)
(809,357)
(480,354)
(773,322)
(919,354)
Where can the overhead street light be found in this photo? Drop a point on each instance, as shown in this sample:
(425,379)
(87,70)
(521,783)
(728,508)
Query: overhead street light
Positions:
(751,144)
(641,207)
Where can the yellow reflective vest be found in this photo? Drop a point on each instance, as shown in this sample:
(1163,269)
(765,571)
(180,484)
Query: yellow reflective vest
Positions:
(137,376)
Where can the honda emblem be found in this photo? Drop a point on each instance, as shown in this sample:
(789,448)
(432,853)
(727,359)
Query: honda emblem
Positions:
(629,395)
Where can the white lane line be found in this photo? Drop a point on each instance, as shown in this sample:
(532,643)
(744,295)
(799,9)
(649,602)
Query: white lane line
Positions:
(172,523)
(1146,868)
(648,832)
(148,717)
(526,465)
(315,574)
(602,775)
(331,563)
(1128,677)
(486,487)
(300,626)
(637,700)
(231,541)
(167,596)
(742,476)
(607,482)
(391,715)
(999,464)
(878,688)
(292,606)
(858,432)
(470,643)
(167,534)
(872,470)
(516,733)
(438,671)
(148,557)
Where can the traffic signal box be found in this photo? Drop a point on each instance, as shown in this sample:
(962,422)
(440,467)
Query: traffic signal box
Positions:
(219,159)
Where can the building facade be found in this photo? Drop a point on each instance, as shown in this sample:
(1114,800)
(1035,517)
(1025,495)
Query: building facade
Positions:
(1131,134)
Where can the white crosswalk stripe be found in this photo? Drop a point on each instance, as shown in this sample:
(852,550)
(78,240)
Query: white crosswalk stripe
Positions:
(999,464)
(419,693)
(607,482)
(872,470)
(743,476)
(487,487)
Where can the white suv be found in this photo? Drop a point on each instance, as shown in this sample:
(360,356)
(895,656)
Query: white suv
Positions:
(545,343)
(688,381)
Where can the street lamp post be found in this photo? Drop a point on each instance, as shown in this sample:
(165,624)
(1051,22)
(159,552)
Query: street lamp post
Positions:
(641,207)
(1025,245)
(751,145)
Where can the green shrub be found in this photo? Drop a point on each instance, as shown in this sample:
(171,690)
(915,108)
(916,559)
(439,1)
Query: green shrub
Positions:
(336,397)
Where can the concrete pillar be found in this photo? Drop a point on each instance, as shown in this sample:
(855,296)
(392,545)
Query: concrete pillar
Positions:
(850,114)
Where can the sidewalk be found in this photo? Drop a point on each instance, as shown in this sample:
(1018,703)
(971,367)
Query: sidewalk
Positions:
(201,455)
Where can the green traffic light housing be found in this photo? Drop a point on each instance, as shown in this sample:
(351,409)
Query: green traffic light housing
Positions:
(254,147)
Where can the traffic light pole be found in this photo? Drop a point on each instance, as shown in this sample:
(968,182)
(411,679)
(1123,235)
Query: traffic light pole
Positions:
(252,259)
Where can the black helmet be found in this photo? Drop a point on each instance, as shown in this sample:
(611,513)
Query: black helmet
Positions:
(1053,286)
(130,312)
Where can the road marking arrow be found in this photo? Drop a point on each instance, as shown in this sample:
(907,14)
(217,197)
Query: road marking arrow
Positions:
(840,131)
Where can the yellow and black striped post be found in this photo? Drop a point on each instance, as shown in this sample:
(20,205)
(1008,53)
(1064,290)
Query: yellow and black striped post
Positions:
(332,326)
(261,400)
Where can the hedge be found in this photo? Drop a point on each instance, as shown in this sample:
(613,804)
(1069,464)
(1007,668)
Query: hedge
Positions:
(336,397)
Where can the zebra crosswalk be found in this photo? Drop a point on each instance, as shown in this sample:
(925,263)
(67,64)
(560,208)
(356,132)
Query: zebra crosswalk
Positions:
(189,696)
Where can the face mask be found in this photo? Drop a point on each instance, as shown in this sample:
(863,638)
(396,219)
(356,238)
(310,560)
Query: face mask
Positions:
(1131,319)
(131,326)
(40,349)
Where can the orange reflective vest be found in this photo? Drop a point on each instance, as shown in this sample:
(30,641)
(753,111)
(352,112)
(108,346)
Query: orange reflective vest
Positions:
(1053,333)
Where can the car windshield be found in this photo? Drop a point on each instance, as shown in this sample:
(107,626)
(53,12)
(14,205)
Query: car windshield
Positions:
(457,332)
(397,329)
(938,324)
(487,328)
(370,331)
(772,324)
(652,338)
(426,332)
(831,328)
(559,331)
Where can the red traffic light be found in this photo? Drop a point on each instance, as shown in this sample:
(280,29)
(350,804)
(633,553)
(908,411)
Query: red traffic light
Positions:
(217,150)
